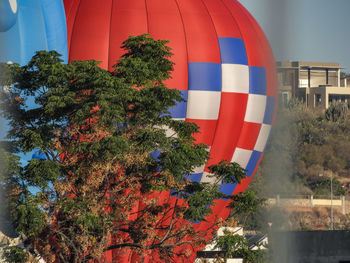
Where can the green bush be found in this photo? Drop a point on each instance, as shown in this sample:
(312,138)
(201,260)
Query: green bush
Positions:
(14,254)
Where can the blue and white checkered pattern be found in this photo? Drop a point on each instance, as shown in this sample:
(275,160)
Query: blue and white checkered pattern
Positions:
(209,82)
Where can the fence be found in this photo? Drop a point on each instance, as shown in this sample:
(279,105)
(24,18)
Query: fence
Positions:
(311,201)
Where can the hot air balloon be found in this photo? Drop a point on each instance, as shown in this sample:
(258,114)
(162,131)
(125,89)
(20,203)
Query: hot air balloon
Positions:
(224,68)
(30,26)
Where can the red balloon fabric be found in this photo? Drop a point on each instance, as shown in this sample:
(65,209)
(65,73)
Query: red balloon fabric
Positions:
(224,68)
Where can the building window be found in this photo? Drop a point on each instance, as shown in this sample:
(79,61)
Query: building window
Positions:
(285,98)
(339,98)
(318,99)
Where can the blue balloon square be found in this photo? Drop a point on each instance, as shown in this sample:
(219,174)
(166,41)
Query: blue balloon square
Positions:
(204,76)
(257,80)
(233,51)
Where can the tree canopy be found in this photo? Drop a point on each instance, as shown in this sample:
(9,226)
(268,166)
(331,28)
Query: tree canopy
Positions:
(112,174)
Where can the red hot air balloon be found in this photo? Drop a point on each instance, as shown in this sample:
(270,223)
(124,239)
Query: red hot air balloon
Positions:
(224,68)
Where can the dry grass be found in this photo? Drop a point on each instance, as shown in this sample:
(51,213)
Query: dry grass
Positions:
(307,218)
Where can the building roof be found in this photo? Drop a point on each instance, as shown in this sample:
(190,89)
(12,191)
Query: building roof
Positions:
(255,240)
(304,64)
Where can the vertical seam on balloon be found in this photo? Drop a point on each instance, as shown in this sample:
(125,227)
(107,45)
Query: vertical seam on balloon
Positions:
(239,29)
(244,14)
(45,25)
(68,15)
(260,36)
(67,11)
(186,44)
(63,11)
(261,44)
(252,26)
(185,36)
(73,29)
(217,37)
(206,8)
(147,16)
(233,18)
(20,35)
(109,34)
(70,8)
(242,36)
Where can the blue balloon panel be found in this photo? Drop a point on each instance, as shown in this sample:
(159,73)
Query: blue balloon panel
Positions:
(27,26)
(30,26)
(8,14)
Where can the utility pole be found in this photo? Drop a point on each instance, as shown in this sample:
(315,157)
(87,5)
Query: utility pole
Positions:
(332,227)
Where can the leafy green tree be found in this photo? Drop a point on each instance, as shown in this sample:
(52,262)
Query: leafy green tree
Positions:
(15,254)
(111,154)
(336,112)
(322,185)
(245,204)
(234,245)
(231,244)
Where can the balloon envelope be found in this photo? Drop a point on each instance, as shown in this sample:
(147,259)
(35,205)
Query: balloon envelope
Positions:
(8,14)
(30,26)
(224,67)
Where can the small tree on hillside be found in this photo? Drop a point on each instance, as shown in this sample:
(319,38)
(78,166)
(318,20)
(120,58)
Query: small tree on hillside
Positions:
(110,155)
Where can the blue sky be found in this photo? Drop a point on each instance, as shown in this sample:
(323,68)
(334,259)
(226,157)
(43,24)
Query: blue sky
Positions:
(305,30)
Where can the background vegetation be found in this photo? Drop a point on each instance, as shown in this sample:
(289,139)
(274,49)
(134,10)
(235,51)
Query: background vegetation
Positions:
(307,147)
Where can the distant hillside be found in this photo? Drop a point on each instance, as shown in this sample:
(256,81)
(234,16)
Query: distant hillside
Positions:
(307,147)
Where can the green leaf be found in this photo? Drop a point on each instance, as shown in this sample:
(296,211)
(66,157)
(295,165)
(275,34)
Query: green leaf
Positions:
(13,254)
(41,172)
(28,218)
